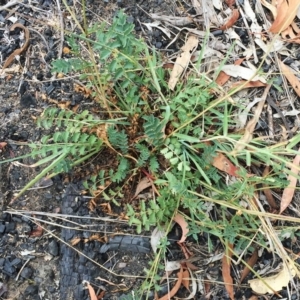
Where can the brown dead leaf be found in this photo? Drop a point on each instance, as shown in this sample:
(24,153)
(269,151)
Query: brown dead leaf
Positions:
(223,77)
(234,17)
(179,219)
(191,266)
(289,191)
(286,12)
(226,265)
(251,262)
(91,292)
(267,191)
(273,283)
(221,162)
(175,288)
(230,3)
(186,279)
(142,185)
(247,137)
(288,73)
(75,241)
(2,145)
(37,232)
(183,60)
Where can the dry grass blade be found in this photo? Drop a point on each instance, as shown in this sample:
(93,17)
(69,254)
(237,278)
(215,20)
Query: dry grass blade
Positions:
(226,265)
(289,191)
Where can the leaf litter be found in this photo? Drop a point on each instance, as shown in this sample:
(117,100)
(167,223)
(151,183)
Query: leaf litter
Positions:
(252,78)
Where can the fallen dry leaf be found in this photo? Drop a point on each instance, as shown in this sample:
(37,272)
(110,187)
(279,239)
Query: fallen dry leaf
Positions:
(156,236)
(175,288)
(247,137)
(286,12)
(183,60)
(186,279)
(224,77)
(222,163)
(288,73)
(179,219)
(230,3)
(243,72)
(91,291)
(142,185)
(37,232)
(226,265)
(251,262)
(273,283)
(234,17)
(2,145)
(289,191)
(193,283)
(270,7)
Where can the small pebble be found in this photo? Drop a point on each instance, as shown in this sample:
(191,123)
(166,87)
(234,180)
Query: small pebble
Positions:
(53,248)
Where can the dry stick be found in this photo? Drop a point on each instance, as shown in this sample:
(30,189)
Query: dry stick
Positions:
(270,121)
(61,29)
(9,4)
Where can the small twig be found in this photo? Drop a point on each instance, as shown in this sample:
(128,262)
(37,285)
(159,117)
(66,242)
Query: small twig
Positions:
(42,37)
(61,29)
(270,121)
(9,4)
(26,262)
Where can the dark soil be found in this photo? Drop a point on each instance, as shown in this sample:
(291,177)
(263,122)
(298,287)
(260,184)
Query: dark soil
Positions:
(47,266)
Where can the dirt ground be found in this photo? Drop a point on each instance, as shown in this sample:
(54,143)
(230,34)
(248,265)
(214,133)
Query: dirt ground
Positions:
(35,266)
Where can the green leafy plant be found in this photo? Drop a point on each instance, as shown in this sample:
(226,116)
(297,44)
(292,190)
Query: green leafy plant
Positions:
(175,140)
